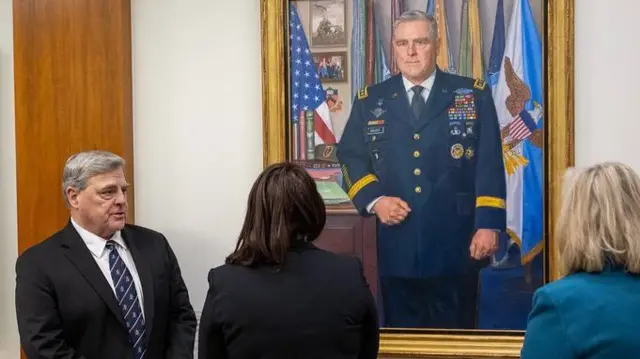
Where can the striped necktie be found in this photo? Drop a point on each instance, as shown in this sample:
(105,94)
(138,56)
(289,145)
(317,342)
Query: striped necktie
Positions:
(128,301)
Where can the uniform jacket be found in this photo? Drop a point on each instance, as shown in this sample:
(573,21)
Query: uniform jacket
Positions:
(447,165)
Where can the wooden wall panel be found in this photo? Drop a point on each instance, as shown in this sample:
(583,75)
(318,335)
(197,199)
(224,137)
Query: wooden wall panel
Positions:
(72,61)
(349,233)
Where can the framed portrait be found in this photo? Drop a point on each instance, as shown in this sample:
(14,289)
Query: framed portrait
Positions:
(328,23)
(519,54)
(331,66)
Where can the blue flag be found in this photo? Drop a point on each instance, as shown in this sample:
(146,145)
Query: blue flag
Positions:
(497,47)
(521,122)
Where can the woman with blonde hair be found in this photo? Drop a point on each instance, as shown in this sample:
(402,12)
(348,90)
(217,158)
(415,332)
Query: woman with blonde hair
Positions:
(593,311)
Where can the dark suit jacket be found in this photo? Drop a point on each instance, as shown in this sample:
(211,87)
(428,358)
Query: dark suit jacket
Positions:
(317,306)
(66,308)
(586,316)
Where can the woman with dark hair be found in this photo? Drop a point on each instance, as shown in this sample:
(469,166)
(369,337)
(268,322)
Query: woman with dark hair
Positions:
(277,295)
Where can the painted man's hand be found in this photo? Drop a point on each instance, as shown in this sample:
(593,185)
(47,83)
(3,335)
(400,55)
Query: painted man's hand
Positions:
(391,210)
(484,243)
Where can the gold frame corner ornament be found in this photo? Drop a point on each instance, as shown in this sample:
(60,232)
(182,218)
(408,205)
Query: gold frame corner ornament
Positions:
(559,154)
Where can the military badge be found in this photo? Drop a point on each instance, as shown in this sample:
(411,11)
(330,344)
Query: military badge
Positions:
(455,127)
(464,107)
(375,122)
(469,128)
(479,84)
(362,93)
(377,112)
(463,91)
(457,151)
(469,153)
(375,130)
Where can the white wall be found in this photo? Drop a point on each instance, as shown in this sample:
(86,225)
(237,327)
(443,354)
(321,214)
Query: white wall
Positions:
(197,125)
(607,85)
(9,345)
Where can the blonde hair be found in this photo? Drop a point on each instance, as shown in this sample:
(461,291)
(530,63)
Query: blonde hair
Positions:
(599,219)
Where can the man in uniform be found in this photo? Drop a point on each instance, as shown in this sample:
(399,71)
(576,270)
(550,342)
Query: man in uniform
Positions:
(422,151)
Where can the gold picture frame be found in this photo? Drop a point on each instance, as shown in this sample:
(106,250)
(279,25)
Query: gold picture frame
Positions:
(559,46)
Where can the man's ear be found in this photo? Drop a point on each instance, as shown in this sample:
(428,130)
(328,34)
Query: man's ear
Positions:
(72,196)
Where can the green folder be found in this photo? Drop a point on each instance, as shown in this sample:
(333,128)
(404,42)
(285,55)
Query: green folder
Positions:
(331,192)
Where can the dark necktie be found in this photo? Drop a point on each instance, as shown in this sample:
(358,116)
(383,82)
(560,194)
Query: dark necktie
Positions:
(128,301)
(417,102)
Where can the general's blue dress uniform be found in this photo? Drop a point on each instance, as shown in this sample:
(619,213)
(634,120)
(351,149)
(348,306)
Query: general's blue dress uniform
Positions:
(447,165)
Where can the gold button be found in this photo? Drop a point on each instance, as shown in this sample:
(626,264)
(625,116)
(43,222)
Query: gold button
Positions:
(417,172)
(416,136)
(416,154)
(418,189)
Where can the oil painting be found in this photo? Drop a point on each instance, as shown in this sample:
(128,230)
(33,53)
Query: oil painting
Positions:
(494,51)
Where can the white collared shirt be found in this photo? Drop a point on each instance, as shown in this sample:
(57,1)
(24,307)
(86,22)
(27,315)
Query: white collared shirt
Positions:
(97,247)
(427,84)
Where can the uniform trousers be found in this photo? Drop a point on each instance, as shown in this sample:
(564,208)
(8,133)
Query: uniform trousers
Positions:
(447,302)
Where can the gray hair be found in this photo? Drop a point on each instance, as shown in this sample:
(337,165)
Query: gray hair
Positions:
(80,167)
(418,15)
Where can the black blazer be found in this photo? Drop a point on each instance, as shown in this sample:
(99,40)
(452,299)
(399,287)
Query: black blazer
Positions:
(66,308)
(317,306)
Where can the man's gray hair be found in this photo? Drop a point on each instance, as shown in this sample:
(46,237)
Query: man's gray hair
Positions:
(418,15)
(80,167)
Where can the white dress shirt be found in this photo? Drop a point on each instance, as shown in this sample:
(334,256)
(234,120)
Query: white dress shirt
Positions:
(427,84)
(97,247)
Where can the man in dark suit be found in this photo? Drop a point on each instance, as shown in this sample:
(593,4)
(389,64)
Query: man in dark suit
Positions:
(100,288)
(422,151)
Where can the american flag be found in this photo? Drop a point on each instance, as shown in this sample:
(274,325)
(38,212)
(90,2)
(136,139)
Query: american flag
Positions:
(522,126)
(306,89)
(518,130)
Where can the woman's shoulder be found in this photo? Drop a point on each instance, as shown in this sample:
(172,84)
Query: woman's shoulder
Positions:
(585,287)
(571,284)
(224,271)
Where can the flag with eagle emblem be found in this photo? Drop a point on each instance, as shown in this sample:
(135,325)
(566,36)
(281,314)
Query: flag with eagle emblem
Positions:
(518,98)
